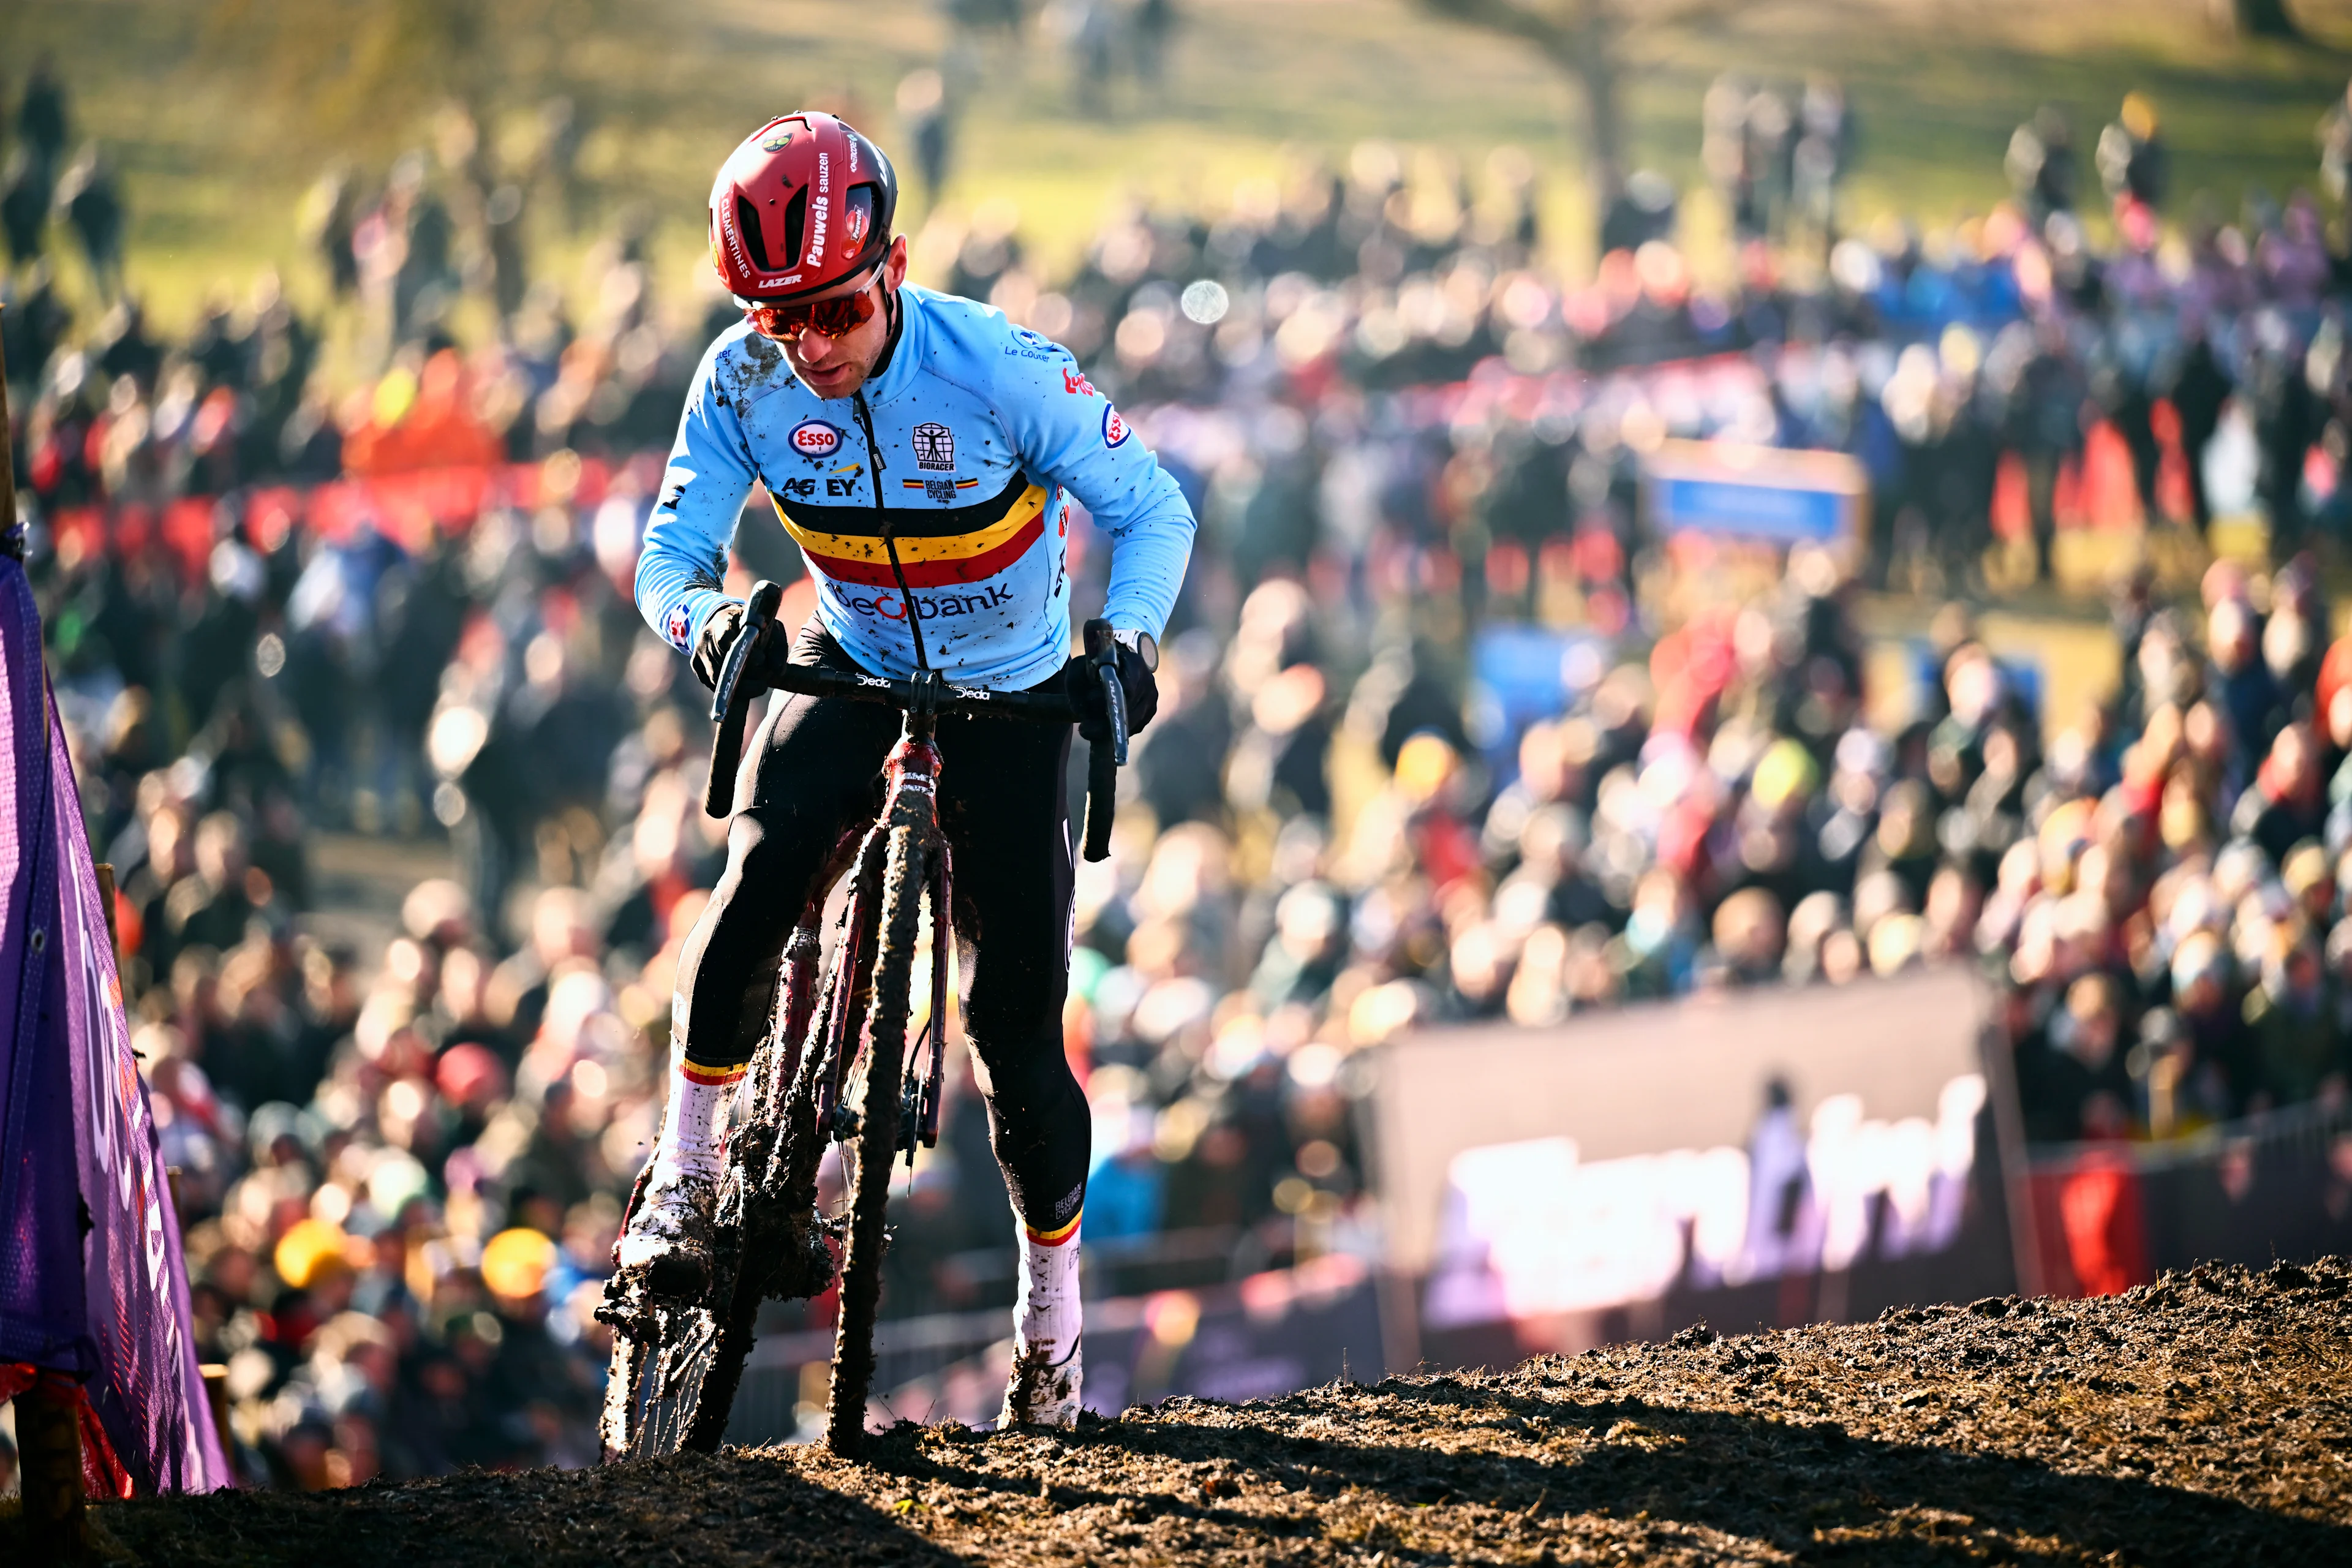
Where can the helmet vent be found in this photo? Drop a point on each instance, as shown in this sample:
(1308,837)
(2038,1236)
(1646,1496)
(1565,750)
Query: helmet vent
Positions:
(795,226)
(747,223)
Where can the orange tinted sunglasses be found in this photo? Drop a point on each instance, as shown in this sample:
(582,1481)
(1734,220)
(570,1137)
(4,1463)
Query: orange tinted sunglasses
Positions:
(831,318)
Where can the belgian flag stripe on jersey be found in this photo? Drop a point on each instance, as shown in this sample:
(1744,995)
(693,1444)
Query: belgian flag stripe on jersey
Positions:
(911,520)
(841,541)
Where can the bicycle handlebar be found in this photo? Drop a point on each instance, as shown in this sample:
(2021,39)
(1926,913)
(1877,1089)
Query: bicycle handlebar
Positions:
(731,697)
(754,649)
(815,681)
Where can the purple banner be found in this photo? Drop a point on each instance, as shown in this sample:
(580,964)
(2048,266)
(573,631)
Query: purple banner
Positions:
(92,1282)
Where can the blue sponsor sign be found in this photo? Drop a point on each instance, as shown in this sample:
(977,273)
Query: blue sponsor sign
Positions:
(1524,671)
(1759,493)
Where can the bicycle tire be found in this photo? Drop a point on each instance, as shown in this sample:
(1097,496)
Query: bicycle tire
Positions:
(661,1351)
(777,1157)
(659,1393)
(615,1424)
(722,1373)
(877,1141)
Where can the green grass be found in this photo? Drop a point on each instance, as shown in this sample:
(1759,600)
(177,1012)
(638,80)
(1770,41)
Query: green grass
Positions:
(214,169)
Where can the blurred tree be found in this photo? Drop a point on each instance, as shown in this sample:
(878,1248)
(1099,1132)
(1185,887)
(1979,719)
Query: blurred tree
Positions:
(1592,43)
(2260,18)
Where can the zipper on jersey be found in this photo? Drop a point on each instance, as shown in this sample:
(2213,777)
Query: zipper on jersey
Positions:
(882,526)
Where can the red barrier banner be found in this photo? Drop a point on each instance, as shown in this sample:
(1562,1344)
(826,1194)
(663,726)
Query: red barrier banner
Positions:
(2107,1216)
(410,508)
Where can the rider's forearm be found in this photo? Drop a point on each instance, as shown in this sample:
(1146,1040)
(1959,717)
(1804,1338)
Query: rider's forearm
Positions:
(678,587)
(1149,552)
(682,567)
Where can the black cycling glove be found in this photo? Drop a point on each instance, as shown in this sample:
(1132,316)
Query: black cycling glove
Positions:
(718,640)
(1140,686)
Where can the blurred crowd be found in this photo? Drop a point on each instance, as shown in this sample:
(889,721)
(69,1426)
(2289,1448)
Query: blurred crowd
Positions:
(2165,899)
(1932,357)
(2205,341)
(2153,891)
(107,411)
(400,1177)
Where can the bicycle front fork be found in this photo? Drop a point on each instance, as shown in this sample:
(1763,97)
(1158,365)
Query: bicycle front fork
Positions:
(912,774)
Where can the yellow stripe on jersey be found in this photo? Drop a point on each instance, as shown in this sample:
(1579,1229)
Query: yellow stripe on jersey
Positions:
(950,547)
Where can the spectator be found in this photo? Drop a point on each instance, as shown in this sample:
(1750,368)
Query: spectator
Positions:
(2135,163)
(42,116)
(24,207)
(92,205)
(925,119)
(2040,165)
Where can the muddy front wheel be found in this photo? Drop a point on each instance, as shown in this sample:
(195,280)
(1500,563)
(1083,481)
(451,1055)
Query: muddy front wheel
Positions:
(655,1392)
(876,1143)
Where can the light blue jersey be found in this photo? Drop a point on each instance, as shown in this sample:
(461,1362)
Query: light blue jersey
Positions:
(984,429)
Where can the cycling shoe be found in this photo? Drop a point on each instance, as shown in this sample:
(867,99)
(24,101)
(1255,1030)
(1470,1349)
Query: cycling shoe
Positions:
(1040,1391)
(669,1237)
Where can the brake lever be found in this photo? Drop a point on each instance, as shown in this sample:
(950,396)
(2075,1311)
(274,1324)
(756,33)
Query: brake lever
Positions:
(731,696)
(1103,762)
(1115,698)
(759,613)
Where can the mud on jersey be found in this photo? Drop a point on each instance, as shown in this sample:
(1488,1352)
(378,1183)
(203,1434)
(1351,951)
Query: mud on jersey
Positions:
(984,429)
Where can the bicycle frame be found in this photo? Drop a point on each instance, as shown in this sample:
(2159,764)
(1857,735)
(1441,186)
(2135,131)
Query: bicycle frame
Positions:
(911,800)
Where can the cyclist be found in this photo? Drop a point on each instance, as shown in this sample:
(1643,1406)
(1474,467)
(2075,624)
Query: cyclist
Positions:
(920,449)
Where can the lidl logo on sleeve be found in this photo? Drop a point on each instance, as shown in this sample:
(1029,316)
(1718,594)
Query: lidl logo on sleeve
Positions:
(1114,428)
(814,438)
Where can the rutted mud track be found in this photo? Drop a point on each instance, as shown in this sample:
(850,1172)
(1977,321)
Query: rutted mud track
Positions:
(2207,1419)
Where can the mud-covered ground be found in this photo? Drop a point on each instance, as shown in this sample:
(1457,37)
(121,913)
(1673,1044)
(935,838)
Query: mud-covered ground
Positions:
(2207,1419)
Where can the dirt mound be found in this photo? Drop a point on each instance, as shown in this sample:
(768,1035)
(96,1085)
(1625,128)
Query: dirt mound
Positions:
(2207,1418)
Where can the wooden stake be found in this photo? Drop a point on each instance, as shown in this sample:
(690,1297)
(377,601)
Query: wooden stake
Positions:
(48,1447)
(216,1395)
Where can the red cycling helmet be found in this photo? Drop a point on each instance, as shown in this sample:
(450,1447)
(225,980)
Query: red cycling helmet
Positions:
(804,204)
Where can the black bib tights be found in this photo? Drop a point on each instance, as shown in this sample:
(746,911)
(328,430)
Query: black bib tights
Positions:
(812,770)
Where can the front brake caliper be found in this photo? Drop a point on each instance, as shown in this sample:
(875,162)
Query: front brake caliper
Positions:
(910,1117)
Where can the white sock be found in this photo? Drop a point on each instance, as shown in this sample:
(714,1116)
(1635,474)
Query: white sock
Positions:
(1048,1311)
(694,1127)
